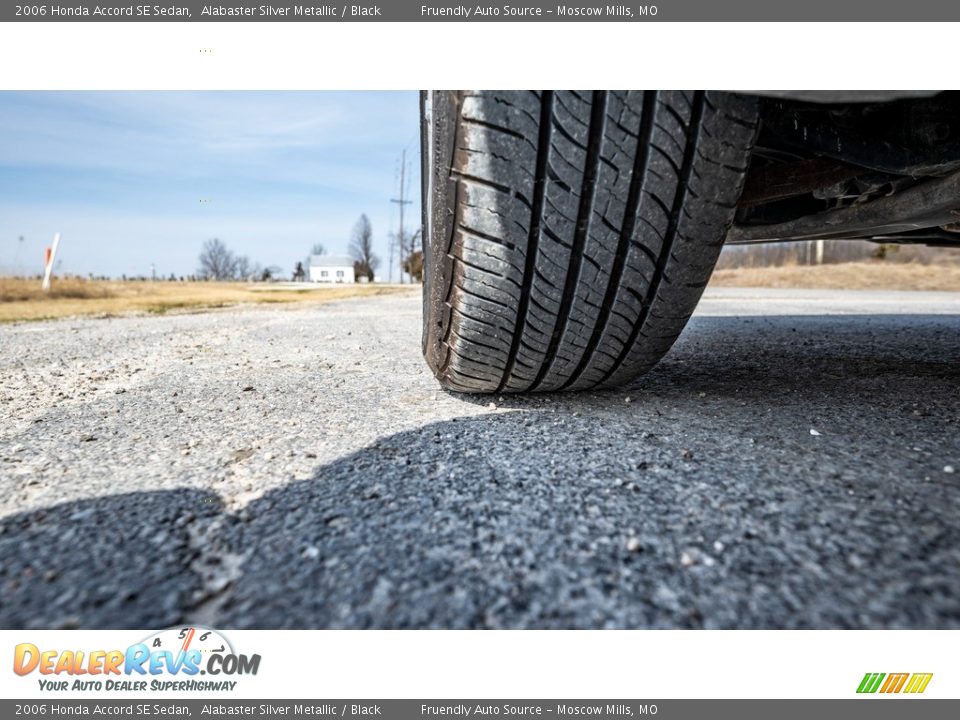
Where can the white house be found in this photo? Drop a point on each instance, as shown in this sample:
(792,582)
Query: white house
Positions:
(330,269)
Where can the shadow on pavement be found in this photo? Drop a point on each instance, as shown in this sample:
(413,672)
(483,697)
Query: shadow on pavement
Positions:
(116,561)
(705,501)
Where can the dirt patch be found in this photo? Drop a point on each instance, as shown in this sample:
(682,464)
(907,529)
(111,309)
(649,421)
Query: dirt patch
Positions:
(876,275)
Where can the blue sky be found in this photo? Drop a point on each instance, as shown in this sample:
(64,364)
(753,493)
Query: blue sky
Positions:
(121,175)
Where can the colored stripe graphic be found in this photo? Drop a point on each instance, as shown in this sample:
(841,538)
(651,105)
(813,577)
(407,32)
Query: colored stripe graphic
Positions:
(870,682)
(895,683)
(918,682)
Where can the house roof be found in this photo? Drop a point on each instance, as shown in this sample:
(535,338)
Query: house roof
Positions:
(329,261)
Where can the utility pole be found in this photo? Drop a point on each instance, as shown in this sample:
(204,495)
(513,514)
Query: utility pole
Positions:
(390,260)
(16,257)
(401,201)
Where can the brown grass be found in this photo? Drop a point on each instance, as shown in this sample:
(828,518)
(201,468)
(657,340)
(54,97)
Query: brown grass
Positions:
(23,299)
(875,275)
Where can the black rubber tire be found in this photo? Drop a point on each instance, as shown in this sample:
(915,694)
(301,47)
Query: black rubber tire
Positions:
(569,235)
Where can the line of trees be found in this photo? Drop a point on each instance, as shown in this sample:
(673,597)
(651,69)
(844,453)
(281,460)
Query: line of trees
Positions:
(218,262)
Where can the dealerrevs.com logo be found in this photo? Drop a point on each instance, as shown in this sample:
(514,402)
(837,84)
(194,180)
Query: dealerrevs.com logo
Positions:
(169,660)
(888,683)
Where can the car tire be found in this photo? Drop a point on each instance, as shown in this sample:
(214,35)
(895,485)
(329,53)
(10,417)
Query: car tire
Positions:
(569,235)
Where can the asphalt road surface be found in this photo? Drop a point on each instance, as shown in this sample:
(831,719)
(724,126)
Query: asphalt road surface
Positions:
(793,463)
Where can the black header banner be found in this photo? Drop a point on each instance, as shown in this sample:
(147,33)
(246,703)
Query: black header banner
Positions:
(450,11)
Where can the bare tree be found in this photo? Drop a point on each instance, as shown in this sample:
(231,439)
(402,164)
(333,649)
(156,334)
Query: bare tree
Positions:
(244,268)
(407,244)
(361,249)
(413,265)
(271,272)
(216,261)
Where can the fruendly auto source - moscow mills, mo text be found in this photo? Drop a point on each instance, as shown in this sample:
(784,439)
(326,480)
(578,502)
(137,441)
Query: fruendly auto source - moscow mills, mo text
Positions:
(465,12)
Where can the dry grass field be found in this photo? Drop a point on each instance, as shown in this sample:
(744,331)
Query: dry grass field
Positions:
(868,275)
(23,299)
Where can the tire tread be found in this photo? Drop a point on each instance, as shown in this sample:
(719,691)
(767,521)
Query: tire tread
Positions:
(584,228)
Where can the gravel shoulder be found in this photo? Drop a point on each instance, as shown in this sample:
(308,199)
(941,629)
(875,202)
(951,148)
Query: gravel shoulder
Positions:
(790,464)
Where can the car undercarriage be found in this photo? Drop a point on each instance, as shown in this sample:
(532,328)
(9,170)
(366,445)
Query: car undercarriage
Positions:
(854,166)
